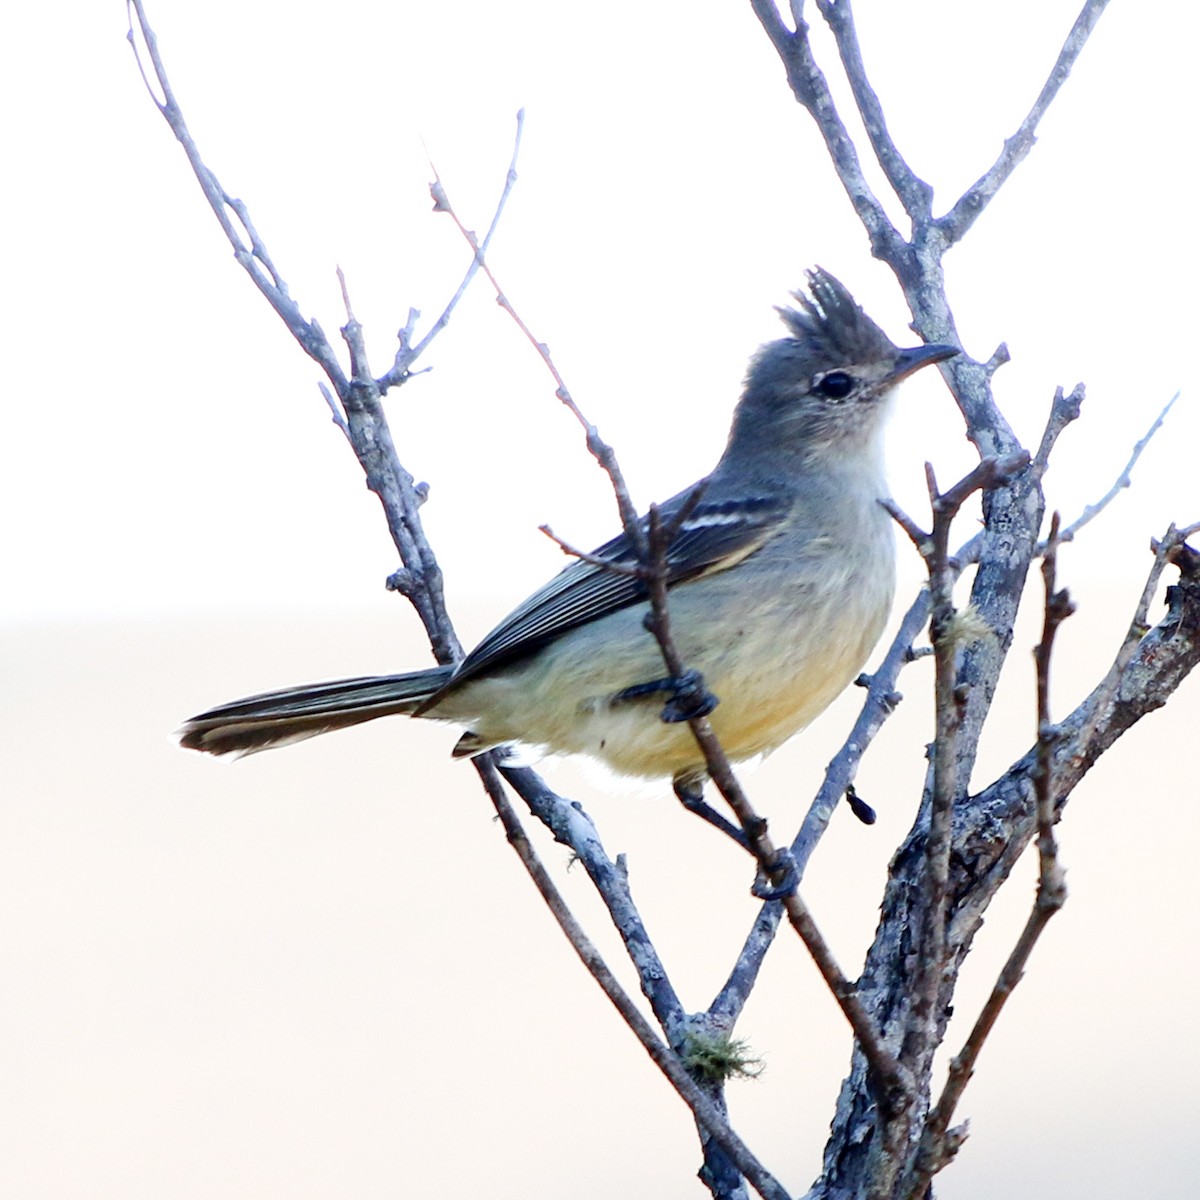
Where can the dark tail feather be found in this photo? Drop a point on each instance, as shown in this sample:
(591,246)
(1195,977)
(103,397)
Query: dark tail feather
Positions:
(278,718)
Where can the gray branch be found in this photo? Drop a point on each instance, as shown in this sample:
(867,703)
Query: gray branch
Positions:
(886,1141)
(915,194)
(991,830)
(961,848)
(970,205)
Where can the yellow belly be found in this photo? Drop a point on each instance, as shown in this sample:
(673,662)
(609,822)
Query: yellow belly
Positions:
(774,660)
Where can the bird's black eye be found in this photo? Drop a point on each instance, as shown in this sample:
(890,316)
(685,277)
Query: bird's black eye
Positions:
(836,385)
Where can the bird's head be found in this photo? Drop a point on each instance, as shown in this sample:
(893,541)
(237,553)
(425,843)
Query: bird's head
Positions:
(824,388)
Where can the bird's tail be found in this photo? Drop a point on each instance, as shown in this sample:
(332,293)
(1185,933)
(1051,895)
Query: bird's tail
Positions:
(279,718)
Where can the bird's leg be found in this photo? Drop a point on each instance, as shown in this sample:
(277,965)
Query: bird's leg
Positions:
(639,691)
(689,788)
(782,880)
(687,696)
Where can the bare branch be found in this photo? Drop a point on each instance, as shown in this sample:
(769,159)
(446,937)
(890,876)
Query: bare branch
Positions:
(1002,551)
(1165,551)
(1000,356)
(573,828)
(914,193)
(991,830)
(920,1026)
(811,90)
(1063,410)
(937,1147)
(1123,480)
(988,475)
(365,423)
(352,334)
(597,447)
(594,560)
(1149,665)
(948,709)
(894,1088)
(880,703)
(916,535)
(976,198)
(253,258)
(706,1112)
(334,408)
(407,353)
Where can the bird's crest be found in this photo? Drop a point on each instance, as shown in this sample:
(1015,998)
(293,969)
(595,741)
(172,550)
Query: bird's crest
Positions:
(829,321)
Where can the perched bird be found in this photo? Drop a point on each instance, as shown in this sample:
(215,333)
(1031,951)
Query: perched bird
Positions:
(780,582)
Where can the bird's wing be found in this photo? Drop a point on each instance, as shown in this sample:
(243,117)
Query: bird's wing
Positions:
(715,535)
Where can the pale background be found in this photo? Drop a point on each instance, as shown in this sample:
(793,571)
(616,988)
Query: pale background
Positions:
(320,973)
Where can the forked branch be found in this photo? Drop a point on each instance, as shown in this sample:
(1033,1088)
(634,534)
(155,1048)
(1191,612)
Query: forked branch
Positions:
(651,540)
(939,1143)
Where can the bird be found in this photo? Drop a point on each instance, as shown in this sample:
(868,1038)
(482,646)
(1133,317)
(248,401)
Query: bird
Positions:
(780,577)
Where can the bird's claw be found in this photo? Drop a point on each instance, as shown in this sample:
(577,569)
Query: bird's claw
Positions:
(689,699)
(781,882)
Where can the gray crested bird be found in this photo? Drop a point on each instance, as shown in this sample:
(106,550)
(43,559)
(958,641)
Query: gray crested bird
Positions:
(780,582)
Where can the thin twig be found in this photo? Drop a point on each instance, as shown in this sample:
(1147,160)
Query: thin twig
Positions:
(1000,356)
(948,711)
(253,258)
(1149,665)
(946,636)
(914,193)
(573,828)
(1092,511)
(1063,410)
(352,334)
(970,205)
(359,396)
(407,354)
(597,447)
(1058,607)
(894,1087)
(631,570)
(707,1113)
(918,536)
(1164,552)
(938,1142)
(338,419)
(811,90)
(880,703)
(637,533)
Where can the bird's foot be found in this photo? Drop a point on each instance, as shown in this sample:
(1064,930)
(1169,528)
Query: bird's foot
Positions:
(776,884)
(687,696)
(689,699)
(781,881)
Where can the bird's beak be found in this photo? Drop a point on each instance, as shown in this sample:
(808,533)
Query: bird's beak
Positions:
(918,357)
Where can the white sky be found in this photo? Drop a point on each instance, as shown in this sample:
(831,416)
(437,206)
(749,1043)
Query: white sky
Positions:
(181,516)
(162,425)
